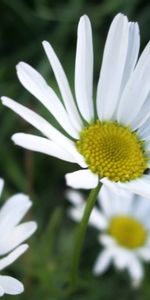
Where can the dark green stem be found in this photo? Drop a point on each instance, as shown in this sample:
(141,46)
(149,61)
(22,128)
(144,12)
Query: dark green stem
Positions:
(80,234)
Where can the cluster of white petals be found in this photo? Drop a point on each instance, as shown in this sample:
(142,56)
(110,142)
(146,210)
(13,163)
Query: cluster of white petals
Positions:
(12,236)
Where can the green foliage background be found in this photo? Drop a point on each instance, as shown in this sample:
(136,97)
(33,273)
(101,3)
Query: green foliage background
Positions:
(24,24)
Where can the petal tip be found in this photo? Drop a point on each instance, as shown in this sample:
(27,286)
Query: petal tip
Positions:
(84,20)
(44,43)
(13,138)
(4,99)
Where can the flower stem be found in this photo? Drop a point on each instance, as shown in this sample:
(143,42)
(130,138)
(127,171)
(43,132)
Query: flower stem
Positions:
(80,234)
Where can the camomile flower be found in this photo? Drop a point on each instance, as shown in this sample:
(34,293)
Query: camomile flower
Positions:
(112,142)
(12,235)
(123,224)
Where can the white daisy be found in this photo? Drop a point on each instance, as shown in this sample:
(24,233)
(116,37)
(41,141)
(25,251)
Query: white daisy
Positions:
(124,225)
(12,234)
(113,144)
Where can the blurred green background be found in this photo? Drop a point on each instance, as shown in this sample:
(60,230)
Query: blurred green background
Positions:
(24,24)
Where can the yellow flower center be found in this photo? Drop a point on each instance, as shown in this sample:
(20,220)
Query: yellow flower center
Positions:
(112,150)
(128,232)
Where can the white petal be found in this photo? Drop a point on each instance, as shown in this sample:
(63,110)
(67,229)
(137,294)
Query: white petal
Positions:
(115,201)
(1,185)
(1,291)
(84,69)
(144,130)
(82,179)
(122,204)
(121,257)
(144,253)
(105,201)
(145,219)
(34,119)
(106,240)
(143,117)
(96,219)
(10,258)
(63,85)
(136,271)
(16,236)
(141,209)
(13,211)
(43,145)
(132,53)
(140,186)
(147,149)
(102,262)
(38,87)
(136,90)
(76,198)
(112,69)
(113,186)
(76,213)
(10,286)
(77,210)
(42,125)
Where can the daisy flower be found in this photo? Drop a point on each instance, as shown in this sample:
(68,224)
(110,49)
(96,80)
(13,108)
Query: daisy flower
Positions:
(112,142)
(12,234)
(124,226)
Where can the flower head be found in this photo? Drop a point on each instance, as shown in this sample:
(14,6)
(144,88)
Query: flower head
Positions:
(12,235)
(113,143)
(124,230)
